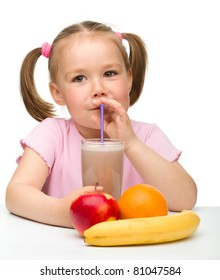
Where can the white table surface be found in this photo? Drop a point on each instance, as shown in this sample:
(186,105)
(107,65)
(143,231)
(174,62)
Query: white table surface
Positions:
(27,240)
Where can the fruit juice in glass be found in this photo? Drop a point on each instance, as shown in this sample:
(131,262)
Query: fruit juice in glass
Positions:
(102,164)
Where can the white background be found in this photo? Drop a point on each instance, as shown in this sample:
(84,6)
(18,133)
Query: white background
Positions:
(181,88)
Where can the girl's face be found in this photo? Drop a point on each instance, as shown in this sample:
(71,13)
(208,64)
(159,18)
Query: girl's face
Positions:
(89,67)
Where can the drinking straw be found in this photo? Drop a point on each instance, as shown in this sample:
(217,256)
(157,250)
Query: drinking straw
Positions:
(102,123)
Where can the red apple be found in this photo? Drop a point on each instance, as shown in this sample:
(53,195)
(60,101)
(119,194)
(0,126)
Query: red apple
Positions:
(92,208)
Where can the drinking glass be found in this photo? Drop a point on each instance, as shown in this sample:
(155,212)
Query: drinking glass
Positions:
(102,164)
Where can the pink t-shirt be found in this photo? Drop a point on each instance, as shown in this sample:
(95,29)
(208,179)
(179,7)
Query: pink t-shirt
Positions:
(58,142)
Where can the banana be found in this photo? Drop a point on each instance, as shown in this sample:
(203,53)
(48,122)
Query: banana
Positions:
(139,231)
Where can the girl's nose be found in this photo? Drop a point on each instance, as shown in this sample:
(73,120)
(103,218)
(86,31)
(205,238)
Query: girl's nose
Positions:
(98,94)
(98,89)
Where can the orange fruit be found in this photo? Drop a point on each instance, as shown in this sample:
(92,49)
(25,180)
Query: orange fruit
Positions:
(140,201)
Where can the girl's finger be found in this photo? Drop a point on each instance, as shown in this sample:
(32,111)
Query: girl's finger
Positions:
(92,189)
(110,104)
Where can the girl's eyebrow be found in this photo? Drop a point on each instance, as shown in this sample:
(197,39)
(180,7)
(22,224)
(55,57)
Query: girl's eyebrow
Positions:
(112,65)
(77,71)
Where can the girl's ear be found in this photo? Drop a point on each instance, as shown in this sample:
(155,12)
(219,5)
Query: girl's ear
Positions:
(56,95)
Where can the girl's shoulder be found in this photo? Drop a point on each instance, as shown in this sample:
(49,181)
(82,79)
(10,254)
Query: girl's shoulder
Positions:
(55,122)
(56,125)
(144,129)
(50,130)
(155,138)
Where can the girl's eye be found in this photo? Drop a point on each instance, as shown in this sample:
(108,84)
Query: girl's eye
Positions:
(79,79)
(110,74)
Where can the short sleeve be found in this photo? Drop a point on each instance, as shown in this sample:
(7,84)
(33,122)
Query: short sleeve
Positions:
(44,139)
(157,140)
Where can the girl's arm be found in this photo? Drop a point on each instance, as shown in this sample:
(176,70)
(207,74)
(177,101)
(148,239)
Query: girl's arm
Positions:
(170,178)
(25,198)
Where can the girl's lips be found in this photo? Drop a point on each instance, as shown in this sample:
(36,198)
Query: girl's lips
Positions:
(107,109)
(95,109)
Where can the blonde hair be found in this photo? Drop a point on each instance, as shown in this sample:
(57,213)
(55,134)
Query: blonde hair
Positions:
(137,61)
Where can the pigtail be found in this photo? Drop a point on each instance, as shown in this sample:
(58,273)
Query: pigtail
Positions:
(38,108)
(138,62)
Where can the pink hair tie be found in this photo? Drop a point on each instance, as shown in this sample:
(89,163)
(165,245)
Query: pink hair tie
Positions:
(118,34)
(45,50)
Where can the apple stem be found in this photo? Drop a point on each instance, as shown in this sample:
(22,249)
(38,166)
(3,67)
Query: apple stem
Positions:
(96,185)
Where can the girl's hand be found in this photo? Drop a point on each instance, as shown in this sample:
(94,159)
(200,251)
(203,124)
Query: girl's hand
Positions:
(76,193)
(87,189)
(65,203)
(117,124)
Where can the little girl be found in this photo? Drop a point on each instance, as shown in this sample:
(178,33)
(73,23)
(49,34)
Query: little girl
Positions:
(89,65)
